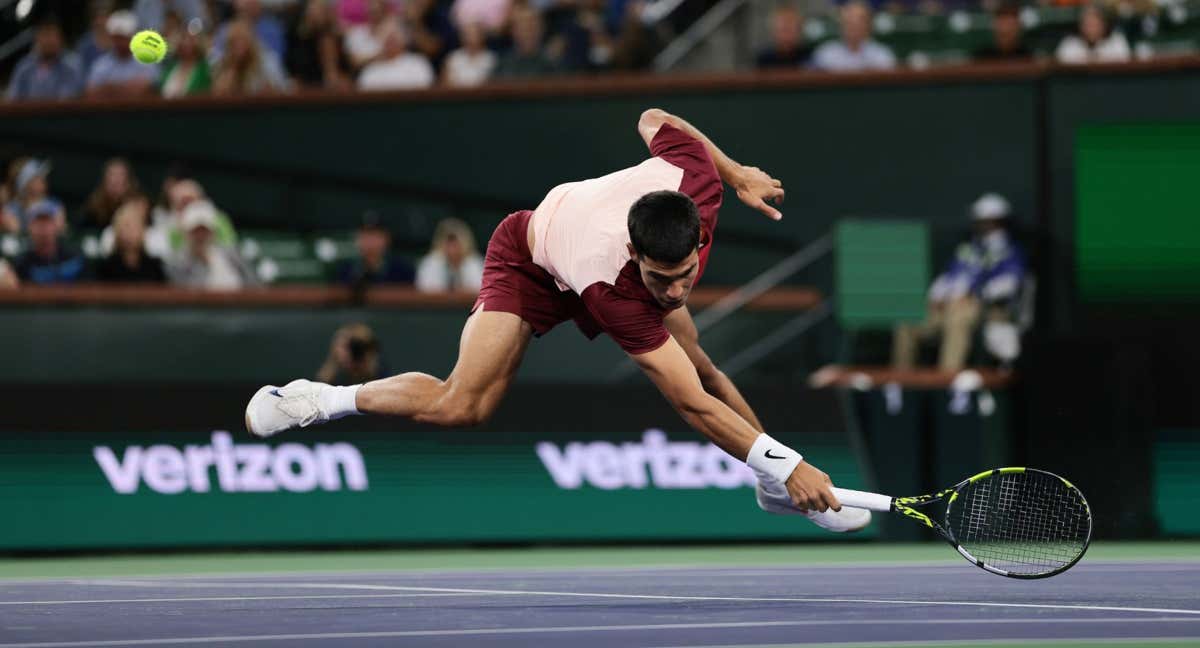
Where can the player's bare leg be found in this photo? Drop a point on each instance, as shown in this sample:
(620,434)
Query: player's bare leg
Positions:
(490,352)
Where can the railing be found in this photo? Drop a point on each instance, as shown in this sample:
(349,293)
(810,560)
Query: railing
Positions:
(780,299)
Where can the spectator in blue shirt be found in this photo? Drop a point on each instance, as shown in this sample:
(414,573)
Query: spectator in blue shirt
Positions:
(375,264)
(116,73)
(95,42)
(983,278)
(47,72)
(49,260)
(855,51)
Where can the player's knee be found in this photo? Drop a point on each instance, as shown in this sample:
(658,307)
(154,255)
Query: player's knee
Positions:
(464,411)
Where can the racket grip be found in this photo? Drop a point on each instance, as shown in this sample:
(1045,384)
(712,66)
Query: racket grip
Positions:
(863,499)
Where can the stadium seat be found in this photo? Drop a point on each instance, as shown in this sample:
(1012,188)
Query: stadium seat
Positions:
(881,275)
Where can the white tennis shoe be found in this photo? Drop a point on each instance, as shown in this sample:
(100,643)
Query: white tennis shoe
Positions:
(773,497)
(275,409)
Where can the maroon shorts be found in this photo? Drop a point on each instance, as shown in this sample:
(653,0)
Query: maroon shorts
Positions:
(513,283)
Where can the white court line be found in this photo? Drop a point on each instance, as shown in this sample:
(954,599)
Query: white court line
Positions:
(567,629)
(736,599)
(194,599)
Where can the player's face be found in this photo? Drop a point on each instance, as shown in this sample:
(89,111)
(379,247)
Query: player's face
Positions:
(670,284)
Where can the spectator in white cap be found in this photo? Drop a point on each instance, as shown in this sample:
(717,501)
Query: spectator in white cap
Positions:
(985,276)
(116,73)
(31,187)
(203,263)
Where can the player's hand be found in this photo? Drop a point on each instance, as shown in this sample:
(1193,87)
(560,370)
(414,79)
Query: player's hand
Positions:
(756,187)
(809,489)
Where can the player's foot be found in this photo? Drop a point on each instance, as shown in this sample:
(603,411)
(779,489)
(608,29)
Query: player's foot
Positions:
(275,409)
(773,498)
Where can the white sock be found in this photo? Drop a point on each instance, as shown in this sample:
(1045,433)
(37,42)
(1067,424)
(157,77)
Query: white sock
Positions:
(337,402)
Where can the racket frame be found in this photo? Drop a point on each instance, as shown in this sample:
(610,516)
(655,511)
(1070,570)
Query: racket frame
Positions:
(906,506)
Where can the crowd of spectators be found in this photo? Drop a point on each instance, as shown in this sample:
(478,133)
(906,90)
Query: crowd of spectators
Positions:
(252,47)
(1095,40)
(184,239)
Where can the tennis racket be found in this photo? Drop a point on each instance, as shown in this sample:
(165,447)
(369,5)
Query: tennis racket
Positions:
(1015,522)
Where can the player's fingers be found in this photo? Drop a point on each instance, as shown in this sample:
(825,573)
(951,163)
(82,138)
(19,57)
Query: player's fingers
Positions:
(777,195)
(770,211)
(831,499)
(776,183)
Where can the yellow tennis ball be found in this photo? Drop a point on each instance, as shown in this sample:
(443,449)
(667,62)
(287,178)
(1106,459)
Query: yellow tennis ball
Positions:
(148,47)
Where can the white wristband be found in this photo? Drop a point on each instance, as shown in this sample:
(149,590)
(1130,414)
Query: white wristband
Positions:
(771,458)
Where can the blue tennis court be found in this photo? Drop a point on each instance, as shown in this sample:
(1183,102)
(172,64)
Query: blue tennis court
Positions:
(913,602)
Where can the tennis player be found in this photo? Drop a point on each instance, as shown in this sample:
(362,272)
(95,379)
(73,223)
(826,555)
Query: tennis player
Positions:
(617,254)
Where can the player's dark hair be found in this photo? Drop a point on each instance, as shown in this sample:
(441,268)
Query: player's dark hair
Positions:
(664,226)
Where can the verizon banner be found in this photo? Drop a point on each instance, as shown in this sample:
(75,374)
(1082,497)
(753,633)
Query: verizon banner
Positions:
(172,468)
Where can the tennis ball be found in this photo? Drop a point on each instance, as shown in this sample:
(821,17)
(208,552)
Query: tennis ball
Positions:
(148,47)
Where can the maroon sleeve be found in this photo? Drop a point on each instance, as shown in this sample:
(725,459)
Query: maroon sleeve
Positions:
(635,325)
(700,179)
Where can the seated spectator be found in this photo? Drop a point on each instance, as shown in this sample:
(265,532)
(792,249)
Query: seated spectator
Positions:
(397,68)
(353,358)
(1007,43)
(527,59)
(8,276)
(129,261)
(1096,41)
(471,64)
(95,41)
(489,14)
(985,275)
(203,263)
(315,55)
(453,264)
(31,187)
(268,29)
(184,193)
(152,14)
(350,13)
(186,71)
(117,187)
(245,68)
(375,264)
(49,259)
(364,43)
(116,73)
(856,50)
(9,223)
(48,72)
(788,49)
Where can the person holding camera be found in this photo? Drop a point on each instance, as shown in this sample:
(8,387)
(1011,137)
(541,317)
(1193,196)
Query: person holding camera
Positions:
(353,357)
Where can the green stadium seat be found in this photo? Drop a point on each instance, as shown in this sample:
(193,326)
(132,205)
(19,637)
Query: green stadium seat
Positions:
(881,274)
(283,271)
(275,244)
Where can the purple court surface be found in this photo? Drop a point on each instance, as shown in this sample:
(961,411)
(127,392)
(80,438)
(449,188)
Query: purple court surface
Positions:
(1121,603)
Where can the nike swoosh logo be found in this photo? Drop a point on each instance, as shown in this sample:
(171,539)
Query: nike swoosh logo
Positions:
(275,392)
(771,456)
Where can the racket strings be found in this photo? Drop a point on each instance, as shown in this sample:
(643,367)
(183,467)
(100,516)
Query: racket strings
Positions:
(1024,523)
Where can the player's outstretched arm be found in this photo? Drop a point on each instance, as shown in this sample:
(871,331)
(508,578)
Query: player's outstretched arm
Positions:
(683,329)
(754,186)
(673,373)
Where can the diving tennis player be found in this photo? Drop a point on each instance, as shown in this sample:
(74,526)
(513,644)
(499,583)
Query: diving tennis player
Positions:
(617,254)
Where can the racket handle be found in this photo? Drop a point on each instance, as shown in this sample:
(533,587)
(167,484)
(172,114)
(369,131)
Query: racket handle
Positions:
(863,499)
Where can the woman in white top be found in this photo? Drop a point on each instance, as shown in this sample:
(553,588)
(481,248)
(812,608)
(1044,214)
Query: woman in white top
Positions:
(471,64)
(1094,43)
(453,264)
